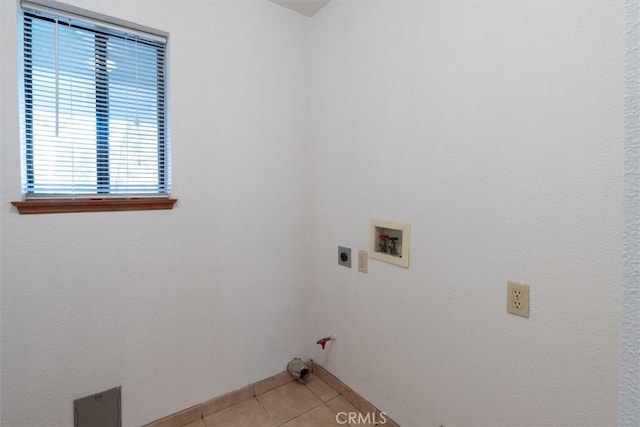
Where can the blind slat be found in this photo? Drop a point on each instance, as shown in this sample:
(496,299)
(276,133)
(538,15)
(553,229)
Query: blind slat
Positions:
(94,109)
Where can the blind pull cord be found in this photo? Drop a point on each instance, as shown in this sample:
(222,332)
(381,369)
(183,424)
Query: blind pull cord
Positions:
(137,99)
(137,122)
(57,59)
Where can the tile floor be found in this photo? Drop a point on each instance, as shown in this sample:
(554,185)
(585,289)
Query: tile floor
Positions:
(313,404)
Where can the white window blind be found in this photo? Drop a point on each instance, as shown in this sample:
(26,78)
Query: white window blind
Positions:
(94,106)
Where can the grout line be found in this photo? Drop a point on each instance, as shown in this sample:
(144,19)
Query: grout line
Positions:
(273,422)
(315,394)
(301,414)
(330,388)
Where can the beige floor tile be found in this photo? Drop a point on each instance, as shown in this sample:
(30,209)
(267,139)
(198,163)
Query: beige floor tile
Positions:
(247,413)
(327,377)
(270,383)
(320,416)
(288,401)
(223,402)
(345,410)
(320,388)
(199,423)
(359,402)
(339,404)
(180,419)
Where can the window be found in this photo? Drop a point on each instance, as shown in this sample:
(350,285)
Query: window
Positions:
(94,108)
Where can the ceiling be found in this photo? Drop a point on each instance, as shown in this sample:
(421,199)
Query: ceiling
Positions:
(305,7)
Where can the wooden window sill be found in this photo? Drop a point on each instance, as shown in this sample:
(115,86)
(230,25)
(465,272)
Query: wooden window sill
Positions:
(49,206)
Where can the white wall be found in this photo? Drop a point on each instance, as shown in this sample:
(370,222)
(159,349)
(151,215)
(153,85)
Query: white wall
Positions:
(495,129)
(630,309)
(176,306)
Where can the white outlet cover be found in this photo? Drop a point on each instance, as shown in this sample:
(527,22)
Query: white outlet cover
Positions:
(363,261)
(518,298)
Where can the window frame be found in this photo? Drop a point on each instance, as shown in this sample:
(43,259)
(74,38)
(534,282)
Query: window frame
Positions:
(103,200)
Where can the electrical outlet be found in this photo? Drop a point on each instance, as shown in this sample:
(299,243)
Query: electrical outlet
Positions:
(344,256)
(363,261)
(518,299)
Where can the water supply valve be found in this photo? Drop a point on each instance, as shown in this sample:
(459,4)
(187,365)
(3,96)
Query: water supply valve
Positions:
(323,341)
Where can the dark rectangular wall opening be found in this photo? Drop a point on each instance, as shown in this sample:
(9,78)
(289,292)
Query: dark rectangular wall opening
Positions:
(102,409)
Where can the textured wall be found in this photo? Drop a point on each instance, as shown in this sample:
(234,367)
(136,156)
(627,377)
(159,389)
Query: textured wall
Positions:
(495,129)
(176,306)
(630,343)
